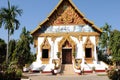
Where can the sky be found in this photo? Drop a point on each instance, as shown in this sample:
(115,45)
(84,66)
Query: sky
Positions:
(35,11)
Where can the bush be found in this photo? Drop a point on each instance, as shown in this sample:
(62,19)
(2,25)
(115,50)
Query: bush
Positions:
(19,73)
(113,73)
(12,72)
(11,75)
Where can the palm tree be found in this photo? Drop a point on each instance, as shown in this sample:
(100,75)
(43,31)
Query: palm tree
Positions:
(8,20)
(105,37)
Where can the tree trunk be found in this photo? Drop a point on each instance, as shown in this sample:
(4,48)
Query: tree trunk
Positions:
(7,47)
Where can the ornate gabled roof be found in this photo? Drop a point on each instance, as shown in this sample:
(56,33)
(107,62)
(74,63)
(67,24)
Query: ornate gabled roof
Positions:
(56,17)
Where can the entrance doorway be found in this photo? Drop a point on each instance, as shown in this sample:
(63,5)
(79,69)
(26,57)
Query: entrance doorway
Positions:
(66,56)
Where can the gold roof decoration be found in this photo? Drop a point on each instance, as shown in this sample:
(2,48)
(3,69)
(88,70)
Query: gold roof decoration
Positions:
(65,13)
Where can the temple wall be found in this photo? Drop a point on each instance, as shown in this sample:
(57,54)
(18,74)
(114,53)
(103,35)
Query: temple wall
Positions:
(40,41)
(54,47)
(53,50)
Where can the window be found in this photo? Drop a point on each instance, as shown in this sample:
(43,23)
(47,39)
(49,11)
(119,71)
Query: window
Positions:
(45,53)
(88,53)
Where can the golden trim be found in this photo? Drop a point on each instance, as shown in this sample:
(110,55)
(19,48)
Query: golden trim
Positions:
(80,38)
(45,45)
(53,39)
(45,60)
(97,39)
(77,37)
(89,44)
(70,33)
(66,38)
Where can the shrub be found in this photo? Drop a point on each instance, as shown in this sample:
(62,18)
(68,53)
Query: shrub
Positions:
(10,73)
(19,73)
(113,73)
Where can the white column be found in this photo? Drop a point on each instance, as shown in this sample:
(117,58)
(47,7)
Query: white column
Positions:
(83,52)
(53,51)
(95,54)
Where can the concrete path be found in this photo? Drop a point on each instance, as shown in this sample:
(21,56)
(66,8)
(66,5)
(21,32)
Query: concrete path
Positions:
(38,76)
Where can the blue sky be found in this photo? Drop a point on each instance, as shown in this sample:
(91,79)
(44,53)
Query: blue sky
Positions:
(35,11)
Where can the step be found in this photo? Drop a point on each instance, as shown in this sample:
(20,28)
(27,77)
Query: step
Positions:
(67,69)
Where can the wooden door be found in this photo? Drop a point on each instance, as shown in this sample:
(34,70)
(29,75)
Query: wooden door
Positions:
(67,56)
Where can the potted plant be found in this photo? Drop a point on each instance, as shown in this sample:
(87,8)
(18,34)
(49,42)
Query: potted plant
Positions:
(74,54)
(58,54)
(40,70)
(93,69)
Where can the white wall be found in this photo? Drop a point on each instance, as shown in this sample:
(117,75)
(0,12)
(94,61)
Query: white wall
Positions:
(40,41)
(54,47)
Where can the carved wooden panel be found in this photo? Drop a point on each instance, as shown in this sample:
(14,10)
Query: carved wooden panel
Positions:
(65,15)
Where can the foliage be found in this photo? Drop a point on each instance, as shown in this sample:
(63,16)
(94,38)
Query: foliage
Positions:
(31,58)
(22,51)
(93,68)
(113,73)
(12,45)
(58,54)
(103,48)
(8,19)
(115,45)
(2,51)
(105,37)
(104,57)
(11,72)
(74,54)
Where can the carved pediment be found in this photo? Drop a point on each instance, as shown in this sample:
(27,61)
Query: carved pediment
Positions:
(67,42)
(66,15)
(88,44)
(45,44)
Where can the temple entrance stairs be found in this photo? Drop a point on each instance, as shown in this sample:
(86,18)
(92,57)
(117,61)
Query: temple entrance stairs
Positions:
(67,69)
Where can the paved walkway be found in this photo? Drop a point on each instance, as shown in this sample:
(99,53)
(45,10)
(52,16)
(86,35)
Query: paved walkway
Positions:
(38,76)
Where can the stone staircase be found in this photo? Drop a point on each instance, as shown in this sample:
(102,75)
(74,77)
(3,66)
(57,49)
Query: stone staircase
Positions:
(67,69)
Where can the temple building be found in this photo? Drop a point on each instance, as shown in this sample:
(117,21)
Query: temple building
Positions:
(66,37)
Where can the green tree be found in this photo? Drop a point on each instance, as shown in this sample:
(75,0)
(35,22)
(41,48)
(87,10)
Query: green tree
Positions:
(32,58)
(8,18)
(2,51)
(12,46)
(22,51)
(115,45)
(104,44)
(105,37)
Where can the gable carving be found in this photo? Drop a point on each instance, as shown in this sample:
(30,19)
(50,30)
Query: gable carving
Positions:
(65,15)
